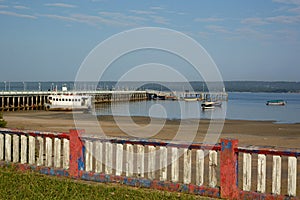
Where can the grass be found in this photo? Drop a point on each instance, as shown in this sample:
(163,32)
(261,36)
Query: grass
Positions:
(15,184)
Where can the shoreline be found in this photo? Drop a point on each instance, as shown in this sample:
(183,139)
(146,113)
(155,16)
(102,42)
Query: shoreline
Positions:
(248,132)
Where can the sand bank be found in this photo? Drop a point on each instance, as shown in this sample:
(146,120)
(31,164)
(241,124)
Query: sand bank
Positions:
(248,132)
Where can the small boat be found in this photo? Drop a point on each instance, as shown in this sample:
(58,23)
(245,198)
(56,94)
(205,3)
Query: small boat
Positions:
(276,103)
(190,98)
(68,102)
(210,104)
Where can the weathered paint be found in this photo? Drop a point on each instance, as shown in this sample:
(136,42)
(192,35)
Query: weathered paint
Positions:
(16,150)
(98,156)
(212,169)
(292,176)
(23,149)
(57,152)
(276,175)
(140,160)
(175,164)
(48,152)
(119,159)
(261,173)
(247,159)
(187,166)
(66,153)
(199,167)
(228,169)
(40,159)
(151,162)
(1,146)
(163,163)
(31,150)
(8,147)
(76,153)
(129,160)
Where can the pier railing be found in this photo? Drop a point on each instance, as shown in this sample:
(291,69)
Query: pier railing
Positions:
(209,170)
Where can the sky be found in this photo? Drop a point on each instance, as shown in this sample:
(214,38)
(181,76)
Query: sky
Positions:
(248,40)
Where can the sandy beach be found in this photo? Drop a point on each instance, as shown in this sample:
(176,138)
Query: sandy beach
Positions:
(262,133)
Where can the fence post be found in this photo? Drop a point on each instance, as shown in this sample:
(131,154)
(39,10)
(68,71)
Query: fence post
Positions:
(228,169)
(76,153)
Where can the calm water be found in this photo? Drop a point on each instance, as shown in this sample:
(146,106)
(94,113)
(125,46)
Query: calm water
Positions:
(244,106)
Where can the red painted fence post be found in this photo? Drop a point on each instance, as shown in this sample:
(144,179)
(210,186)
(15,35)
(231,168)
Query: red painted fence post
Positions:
(76,153)
(228,169)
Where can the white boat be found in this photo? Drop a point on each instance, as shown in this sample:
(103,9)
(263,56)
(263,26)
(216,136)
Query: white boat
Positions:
(68,102)
(210,105)
(276,103)
(191,98)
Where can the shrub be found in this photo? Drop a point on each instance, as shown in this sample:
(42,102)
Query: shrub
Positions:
(2,121)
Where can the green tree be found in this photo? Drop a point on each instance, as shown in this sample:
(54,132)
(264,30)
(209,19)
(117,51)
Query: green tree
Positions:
(2,121)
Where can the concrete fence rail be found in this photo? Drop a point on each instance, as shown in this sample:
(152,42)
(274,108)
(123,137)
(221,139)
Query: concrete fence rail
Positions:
(203,169)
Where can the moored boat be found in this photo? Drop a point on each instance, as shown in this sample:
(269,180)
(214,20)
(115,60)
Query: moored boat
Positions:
(210,105)
(68,102)
(276,103)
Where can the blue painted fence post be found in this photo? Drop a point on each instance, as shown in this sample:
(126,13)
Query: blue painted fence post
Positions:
(76,153)
(228,169)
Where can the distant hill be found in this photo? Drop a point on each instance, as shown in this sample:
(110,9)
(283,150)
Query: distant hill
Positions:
(261,86)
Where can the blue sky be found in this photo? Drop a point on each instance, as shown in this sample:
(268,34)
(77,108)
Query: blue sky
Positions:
(248,40)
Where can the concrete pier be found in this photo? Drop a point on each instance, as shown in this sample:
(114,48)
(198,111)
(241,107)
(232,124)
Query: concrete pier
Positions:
(35,100)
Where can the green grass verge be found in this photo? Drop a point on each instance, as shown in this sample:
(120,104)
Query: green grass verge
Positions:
(15,184)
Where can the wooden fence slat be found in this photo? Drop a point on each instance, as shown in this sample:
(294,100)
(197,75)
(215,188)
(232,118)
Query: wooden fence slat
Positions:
(8,147)
(108,157)
(175,165)
(292,176)
(276,175)
(247,171)
(16,150)
(40,159)
(119,159)
(140,160)
(57,152)
(151,162)
(98,156)
(199,167)
(23,149)
(261,173)
(163,163)
(187,166)
(31,150)
(1,146)
(88,156)
(66,153)
(129,161)
(48,152)
(213,160)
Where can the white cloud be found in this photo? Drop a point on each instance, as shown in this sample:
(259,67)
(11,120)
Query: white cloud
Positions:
(156,8)
(284,19)
(254,21)
(21,7)
(59,17)
(219,29)
(160,20)
(209,19)
(17,15)
(89,19)
(62,5)
(295,10)
(142,12)
(121,16)
(295,2)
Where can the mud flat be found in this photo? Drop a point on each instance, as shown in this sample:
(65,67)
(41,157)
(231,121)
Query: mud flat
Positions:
(264,133)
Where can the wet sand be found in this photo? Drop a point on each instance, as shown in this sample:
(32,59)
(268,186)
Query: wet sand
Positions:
(262,133)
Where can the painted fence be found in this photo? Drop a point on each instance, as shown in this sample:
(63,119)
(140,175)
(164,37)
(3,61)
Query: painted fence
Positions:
(208,170)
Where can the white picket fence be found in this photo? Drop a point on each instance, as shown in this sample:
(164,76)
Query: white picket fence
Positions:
(34,148)
(196,164)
